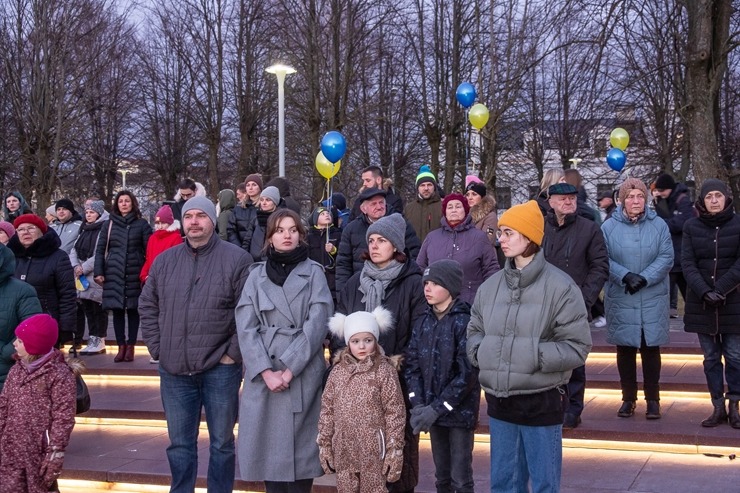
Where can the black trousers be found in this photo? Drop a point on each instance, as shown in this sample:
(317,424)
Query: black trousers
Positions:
(627,366)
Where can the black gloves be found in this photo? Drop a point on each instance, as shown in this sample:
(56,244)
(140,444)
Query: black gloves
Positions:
(713,298)
(633,282)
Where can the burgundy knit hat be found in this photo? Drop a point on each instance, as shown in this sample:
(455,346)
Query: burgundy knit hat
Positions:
(31,219)
(455,196)
(255,177)
(164,215)
(8,228)
(39,333)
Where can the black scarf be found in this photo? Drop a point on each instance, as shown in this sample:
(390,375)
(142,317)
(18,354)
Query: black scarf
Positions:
(280,265)
(85,244)
(262,217)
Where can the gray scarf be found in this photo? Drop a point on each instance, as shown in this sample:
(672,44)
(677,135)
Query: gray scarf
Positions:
(374,280)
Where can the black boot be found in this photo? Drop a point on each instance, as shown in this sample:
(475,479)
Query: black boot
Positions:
(653,410)
(734,415)
(627,410)
(719,416)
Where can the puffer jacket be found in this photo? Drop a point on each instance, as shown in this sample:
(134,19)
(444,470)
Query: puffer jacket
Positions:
(187,305)
(467,245)
(675,211)
(485,218)
(404,298)
(353,244)
(528,329)
(239,223)
(226,205)
(316,240)
(83,255)
(47,268)
(68,232)
(643,248)
(710,257)
(578,249)
(424,214)
(437,370)
(18,301)
(32,405)
(358,441)
(129,236)
(161,240)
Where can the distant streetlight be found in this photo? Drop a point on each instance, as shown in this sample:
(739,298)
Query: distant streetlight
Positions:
(575,161)
(123,172)
(281,71)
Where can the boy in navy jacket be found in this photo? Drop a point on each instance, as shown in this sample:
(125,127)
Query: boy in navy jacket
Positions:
(442,385)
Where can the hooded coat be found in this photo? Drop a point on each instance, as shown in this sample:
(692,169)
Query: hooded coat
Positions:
(161,240)
(126,248)
(23,209)
(18,301)
(467,245)
(48,269)
(279,328)
(643,247)
(68,232)
(226,205)
(710,257)
(32,405)
(424,214)
(485,218)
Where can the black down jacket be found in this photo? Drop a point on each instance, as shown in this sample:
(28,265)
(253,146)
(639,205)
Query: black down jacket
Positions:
(239,223)
(126,254)
(710,257)
(47,268)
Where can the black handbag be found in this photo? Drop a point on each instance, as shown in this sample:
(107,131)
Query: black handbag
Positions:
(83,396)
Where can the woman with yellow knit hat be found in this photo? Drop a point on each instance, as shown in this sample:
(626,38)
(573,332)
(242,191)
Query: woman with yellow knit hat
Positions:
(528,329)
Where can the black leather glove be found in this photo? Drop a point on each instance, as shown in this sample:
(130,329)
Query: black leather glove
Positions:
(713,298)
(633,282)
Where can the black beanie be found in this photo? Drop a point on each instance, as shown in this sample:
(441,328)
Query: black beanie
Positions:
(713,185)
(665,182)
(66,203)
(447,273)
(477,187)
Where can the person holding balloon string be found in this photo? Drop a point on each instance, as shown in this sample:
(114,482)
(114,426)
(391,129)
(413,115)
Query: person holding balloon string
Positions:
(323,243)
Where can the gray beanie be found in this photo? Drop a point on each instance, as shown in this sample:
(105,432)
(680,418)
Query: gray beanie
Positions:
(446,273)
(392,228)
(271,193)
(713,185)
(97,206)
(201,204)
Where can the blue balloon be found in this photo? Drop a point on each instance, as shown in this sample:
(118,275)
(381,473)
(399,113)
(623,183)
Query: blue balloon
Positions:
(616,159)
(466,94)
(333,146)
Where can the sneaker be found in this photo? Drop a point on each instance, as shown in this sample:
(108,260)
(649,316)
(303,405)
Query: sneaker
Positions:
(95,345)
(674,313)
(153,361)
(599,322)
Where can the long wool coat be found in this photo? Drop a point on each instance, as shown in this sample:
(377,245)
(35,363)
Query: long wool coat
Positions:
(30,405)
(280,328)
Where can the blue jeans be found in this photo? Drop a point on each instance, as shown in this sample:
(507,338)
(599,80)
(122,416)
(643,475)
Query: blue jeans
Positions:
(715,348)
(183,396)
(452,451)
(522,453)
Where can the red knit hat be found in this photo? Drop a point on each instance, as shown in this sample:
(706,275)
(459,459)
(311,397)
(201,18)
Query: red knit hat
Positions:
(39,333)
(31,219)
(164,215)
(455,196)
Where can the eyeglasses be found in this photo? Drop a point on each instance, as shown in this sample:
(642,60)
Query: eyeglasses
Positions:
(507,233)
(27,229)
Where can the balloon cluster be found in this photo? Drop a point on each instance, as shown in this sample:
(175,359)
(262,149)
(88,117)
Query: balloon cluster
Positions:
(615,157)
(477,113)
(328,160)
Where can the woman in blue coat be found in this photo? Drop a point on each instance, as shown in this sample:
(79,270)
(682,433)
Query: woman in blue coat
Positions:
(636,293)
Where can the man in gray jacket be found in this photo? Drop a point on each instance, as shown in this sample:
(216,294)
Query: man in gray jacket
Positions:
(187,321)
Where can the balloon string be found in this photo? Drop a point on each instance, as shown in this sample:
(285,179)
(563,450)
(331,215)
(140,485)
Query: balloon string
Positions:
(467,144)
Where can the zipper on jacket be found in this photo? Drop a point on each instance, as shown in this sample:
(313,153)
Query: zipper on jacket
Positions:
(193,281)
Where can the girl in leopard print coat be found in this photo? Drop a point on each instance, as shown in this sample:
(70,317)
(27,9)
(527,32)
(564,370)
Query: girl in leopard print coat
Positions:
(361,426)
(37,410)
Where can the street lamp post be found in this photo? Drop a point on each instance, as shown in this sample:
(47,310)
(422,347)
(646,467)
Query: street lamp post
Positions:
(281,71)
(123,172)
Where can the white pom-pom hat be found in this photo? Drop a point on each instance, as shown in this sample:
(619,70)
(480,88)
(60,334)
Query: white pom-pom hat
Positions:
(375,322)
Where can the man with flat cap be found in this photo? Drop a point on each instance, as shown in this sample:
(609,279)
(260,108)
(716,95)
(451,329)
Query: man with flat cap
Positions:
(353,243)
(187,321)
(576,246)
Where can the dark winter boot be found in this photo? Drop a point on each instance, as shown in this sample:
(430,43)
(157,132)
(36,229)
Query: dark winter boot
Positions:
(719,415)
(734,415)
(627,410)
(653,410)
(121,354)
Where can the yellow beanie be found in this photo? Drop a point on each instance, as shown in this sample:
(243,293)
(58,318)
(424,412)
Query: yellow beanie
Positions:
(527,219)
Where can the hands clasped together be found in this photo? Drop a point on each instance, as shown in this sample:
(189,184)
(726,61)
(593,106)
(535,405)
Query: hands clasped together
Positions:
(277,381)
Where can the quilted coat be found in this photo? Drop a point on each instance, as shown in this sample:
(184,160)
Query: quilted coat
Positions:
(280,328)
(129,236)
(710,257)
(18,301)
(643,248)
(32,405)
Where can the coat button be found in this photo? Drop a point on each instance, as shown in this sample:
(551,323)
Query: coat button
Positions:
(272,356)
(292,326)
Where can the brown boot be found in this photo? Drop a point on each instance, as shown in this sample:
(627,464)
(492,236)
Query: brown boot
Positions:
(129,353)
(121,354)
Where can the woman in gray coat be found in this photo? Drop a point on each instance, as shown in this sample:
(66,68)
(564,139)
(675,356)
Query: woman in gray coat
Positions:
(636,293)
(281,322)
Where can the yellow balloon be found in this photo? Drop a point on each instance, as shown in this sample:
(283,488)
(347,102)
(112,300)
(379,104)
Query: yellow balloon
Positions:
(325,168)
(619,138)
(478,115)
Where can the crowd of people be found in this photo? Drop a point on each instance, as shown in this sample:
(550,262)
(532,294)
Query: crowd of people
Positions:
(420,307)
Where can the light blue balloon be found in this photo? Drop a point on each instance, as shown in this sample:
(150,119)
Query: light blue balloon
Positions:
(466,94)
(333,146)
(616,159)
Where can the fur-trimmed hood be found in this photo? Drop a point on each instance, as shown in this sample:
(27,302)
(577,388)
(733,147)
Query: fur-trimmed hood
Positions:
(345,355)
(200,191)
(486,206)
